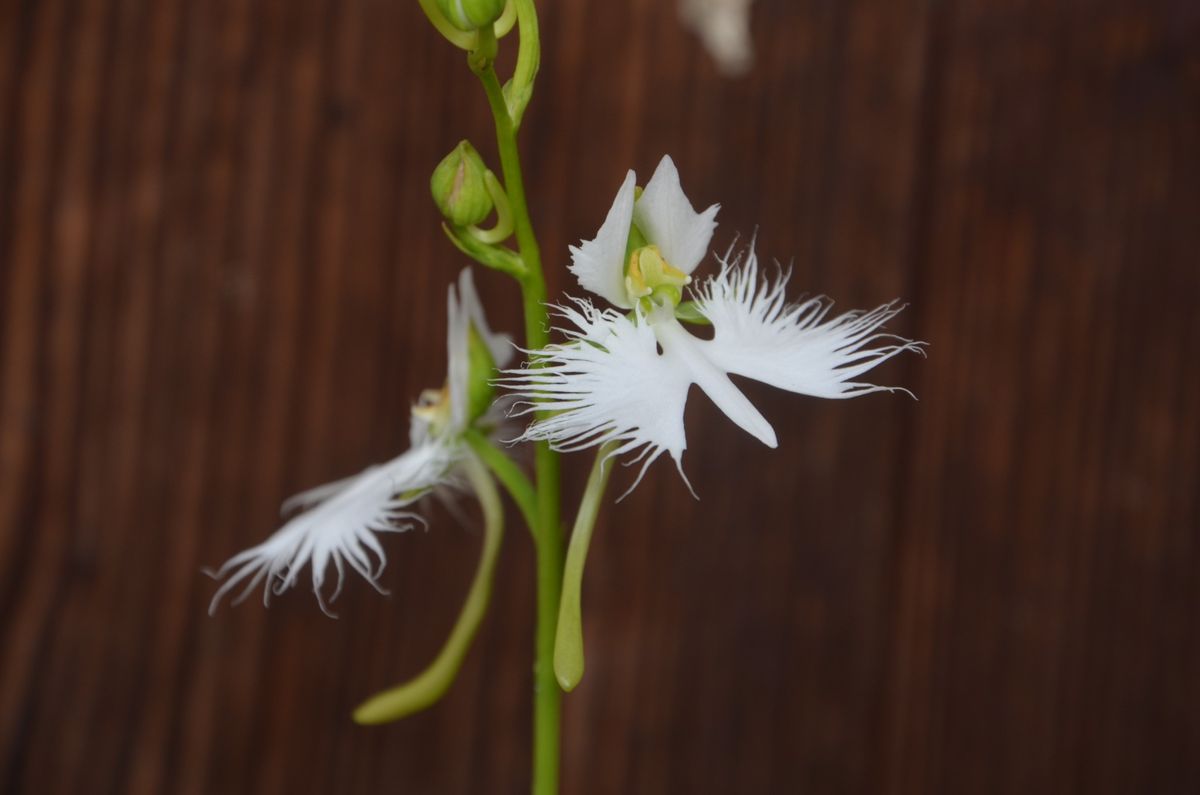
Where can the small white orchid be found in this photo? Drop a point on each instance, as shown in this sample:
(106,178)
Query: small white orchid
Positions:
(339,521)
(623,377)
(619,381)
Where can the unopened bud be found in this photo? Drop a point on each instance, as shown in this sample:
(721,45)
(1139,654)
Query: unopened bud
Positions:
(471,15)
(459,187)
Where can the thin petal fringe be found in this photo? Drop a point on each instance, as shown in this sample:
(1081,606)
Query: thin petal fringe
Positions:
(793,346)
(341,529)
(607,383)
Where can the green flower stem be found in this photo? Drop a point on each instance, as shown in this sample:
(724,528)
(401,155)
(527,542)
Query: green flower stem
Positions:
(508,473)
(547,698)
(431,684)
(568,646)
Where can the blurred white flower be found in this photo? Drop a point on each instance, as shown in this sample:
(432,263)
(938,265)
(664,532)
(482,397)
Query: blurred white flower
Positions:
(339,521)
(724,28)
(624,377)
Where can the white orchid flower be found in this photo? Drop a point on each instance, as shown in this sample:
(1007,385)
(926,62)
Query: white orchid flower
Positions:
(624,377)
(339,522)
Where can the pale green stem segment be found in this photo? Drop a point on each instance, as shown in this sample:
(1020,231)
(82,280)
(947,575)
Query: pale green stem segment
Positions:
(508,473)
(431,684)
(507,107)
(461,39)
(568,644)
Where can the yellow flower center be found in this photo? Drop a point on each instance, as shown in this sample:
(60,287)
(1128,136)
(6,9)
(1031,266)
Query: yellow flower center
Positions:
(433,406)
(649,276)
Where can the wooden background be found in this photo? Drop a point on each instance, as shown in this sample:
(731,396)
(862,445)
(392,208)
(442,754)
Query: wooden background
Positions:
(223,281)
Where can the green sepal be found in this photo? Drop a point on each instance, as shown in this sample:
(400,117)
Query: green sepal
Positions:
(469,15)
(689,312)
(481,370)
(507,20)
(461,39)
(493,256)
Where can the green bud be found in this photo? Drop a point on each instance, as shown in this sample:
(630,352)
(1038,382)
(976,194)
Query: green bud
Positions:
(471,15)
(459,187)
(482,369)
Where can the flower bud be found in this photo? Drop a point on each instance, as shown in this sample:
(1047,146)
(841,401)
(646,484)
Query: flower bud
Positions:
(459,187)
(470,15)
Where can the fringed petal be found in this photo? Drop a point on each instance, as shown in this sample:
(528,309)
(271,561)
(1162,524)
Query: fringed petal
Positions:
(340,529)
(793,346)
(608,383)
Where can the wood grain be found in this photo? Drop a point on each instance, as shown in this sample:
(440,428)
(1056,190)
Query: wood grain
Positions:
(223,282)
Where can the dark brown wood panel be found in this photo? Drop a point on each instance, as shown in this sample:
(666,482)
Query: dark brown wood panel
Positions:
(222,281)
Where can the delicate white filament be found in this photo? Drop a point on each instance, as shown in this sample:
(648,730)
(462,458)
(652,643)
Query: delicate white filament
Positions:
(339,530)
(793,346)
(339,521)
